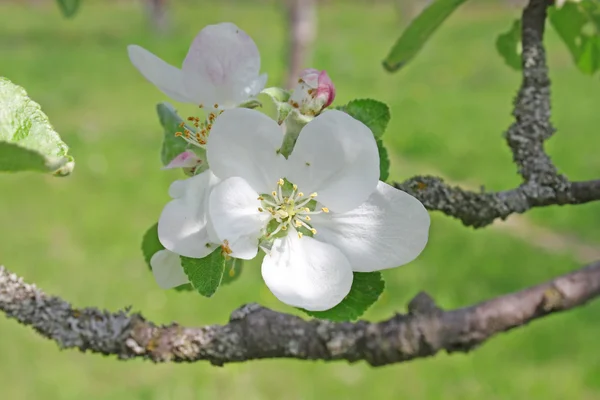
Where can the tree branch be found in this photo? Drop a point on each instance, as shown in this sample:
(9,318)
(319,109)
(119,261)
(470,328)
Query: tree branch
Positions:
(542,185)
(255,332)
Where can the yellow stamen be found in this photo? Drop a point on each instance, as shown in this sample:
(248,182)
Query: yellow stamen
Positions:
(280,182)
(300,235)
(314,231)
(325,209)
(313,195)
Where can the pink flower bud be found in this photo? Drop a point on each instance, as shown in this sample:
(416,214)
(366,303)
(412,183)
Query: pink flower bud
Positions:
(315,91)
(187,159)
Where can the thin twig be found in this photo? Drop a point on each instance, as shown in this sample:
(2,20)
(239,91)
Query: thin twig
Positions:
(542,184)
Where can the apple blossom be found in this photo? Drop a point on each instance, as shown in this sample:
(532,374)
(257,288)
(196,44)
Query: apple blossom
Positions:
(220,70)
(320,215)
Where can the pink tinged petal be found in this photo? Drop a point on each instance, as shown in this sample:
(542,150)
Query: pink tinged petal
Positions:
(183,225)
(244,143)
(335,156)
(325,89)
(307,273)
(235,217)
(390,229)
(164,76)
(167,269)
(313,93)
(187,159)
(222,62)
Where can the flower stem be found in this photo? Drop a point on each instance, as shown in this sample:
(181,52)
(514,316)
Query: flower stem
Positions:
(293,125)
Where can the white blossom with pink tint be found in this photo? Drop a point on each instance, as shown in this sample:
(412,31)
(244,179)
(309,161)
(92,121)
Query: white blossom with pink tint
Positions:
(221,69)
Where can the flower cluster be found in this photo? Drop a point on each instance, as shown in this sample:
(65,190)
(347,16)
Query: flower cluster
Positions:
(318,211)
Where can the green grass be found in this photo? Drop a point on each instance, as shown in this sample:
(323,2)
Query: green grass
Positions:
(79,237)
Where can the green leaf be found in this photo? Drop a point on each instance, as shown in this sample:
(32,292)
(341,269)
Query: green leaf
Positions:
(366,289)
(384,161)
(578,25)
(68,7)
(418,32)
(151,245)
(172,145)
(233,269)
(27,140)
(205,273)
(508,45)
(372,113)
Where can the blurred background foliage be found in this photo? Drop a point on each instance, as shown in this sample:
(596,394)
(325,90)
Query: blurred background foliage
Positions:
(79,237)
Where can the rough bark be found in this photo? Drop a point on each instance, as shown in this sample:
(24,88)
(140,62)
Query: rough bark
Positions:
(542,185)
(255,332)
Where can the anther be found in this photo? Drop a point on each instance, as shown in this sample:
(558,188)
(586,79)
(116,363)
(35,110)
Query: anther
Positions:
(260,209)
(216,105)
(274,194)
(295,187)
(200,105)
(284,228)
(300,235)
(306,218)
(178,134)
(181,125)
(325,209)
(314,231)
(300,194)
(313,195)
(280,182)
(260,198)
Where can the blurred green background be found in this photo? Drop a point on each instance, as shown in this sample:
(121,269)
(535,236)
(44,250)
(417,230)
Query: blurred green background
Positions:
(79,237)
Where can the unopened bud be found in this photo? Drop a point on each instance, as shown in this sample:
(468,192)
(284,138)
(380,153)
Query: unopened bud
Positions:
(313,93)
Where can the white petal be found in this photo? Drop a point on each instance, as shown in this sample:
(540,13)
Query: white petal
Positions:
(221,63)
(182,227)
(307,273)
(244,143)
(235,217)
(167,269)
(163,75)
(335,156)
(257,85)
(390,229)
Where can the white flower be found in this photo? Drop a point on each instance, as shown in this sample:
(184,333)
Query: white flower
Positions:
(184,228)
(221,68)
(333,218)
